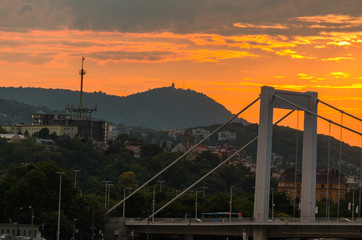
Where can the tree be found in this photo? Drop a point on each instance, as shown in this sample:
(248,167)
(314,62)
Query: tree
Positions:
(128,180)
(43,133)
(2,130)
(37,185)
(150,149)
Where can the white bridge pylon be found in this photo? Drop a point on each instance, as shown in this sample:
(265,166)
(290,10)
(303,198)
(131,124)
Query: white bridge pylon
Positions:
(270,99)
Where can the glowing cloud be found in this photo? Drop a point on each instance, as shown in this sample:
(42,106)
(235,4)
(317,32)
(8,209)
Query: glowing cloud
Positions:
(292,53)
(337,59)
(332,21)
(340,74)
(305,76)
(248,25)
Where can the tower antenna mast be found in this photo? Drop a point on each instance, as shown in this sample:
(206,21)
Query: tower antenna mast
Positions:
(79,111)
(82,73)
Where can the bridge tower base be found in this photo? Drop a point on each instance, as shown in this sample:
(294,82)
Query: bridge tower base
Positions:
(259,233)
(116,229)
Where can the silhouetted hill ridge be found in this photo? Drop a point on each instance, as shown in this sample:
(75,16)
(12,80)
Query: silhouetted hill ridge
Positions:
(160,108)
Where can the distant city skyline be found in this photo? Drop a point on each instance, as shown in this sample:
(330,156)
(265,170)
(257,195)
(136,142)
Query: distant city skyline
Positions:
(224,49)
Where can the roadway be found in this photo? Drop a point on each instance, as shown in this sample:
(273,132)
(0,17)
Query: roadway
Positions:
(273,229)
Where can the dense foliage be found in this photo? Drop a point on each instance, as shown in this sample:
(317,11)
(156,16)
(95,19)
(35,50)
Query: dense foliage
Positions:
(29,178)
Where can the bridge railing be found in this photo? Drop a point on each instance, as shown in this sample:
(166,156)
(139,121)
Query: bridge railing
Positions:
(237,220)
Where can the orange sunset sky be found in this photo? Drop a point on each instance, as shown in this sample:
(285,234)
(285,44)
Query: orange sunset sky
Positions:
(226,49)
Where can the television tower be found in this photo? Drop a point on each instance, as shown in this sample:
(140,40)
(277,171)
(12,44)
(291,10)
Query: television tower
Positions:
(80,112)
(82,72)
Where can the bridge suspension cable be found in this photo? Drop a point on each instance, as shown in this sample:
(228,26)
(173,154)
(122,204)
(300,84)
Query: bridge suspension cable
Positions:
(339,110)
(296,166)
(339,169)
(183,155)
(328,161)
(212,170)
(360,186)
(326,119)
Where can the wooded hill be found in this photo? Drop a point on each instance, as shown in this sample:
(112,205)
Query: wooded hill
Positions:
(160,108)
(12,112)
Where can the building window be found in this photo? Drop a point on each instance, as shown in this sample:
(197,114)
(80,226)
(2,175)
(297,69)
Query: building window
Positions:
(322,192)
(322,186)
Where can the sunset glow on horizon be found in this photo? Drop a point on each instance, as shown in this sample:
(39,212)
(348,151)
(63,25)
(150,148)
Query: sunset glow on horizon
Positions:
(227,51)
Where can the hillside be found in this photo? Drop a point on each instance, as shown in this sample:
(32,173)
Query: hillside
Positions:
(160,108)
(14,112)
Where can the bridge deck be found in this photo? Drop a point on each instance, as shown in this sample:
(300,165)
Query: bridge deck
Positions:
(273,229)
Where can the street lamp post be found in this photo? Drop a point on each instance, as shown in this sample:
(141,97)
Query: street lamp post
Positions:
(352,204)
(231,201)
(18,225)
(106,194)
(60,197)
(32,221)
(74,228)
(153,203)
(203,191)
(124,204)
(75,177)
(272,204)
(109,193)
(160,181)
(195,203)
(129,190)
